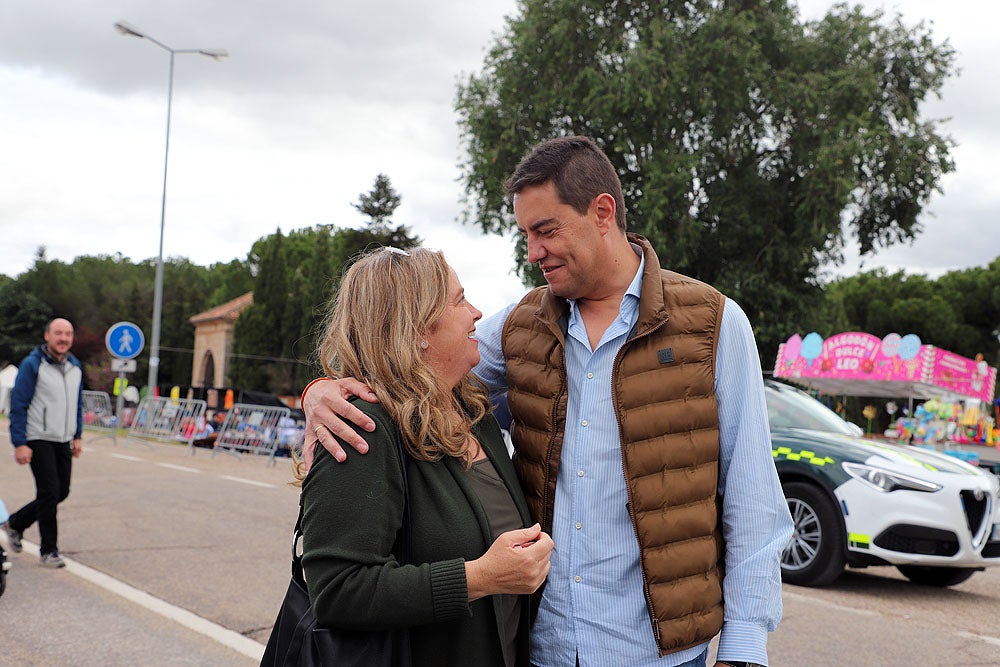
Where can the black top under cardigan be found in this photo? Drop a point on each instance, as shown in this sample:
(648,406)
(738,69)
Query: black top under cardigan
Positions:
(352,512)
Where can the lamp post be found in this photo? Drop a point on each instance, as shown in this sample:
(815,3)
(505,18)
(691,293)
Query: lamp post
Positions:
(217,54)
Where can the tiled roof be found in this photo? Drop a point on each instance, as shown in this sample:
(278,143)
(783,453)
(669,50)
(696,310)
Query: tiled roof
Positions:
(228,311)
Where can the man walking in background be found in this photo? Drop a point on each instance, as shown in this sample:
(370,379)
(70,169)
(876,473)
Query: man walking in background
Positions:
(46,423)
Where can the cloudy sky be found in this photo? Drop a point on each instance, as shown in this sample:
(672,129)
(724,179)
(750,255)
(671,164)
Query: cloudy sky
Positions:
(316,98)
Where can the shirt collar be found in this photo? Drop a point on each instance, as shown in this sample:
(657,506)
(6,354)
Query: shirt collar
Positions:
(48,354)
(634,287)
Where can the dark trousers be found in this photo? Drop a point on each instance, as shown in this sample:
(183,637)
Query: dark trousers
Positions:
(51,464)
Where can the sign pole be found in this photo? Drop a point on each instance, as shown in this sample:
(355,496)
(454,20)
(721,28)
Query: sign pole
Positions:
(120,406)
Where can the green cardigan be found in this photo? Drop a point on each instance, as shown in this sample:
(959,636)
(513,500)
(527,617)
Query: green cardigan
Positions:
(352,512)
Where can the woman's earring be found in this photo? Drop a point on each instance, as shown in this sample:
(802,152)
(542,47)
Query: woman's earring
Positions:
(423,345)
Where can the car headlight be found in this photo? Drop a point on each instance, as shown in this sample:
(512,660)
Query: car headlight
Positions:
(887,481)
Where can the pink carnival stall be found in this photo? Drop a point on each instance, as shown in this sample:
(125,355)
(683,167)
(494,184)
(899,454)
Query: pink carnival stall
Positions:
(860,364)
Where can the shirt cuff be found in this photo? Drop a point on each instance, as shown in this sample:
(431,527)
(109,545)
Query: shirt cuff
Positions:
(743,641)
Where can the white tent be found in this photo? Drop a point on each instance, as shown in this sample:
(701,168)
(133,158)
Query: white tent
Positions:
(7,377)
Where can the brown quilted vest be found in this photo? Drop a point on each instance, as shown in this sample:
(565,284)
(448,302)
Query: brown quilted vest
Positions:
(664,399)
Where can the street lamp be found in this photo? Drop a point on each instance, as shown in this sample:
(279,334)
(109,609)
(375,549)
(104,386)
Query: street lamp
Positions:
(217,54)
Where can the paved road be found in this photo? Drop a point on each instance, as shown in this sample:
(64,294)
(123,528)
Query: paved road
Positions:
(182,560)
(209,536)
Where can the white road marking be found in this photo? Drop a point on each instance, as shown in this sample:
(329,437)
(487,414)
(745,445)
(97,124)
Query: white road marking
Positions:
(177,467)
(995,641)
(174,466)
(829,605)
(202,626)
(983,638)
(248,481)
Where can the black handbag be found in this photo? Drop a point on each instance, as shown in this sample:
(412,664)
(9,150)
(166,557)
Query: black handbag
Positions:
(297,640)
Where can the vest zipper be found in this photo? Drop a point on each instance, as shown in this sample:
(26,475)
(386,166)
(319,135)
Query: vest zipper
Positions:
(628,487)
(66,430)
(548,505)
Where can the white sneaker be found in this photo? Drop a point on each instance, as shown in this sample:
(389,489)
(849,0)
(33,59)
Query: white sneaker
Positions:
(52,560)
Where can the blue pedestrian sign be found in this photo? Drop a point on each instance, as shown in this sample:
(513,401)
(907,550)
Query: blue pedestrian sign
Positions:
(124,340)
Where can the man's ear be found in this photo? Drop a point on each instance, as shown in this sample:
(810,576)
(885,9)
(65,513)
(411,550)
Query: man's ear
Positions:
(603,208)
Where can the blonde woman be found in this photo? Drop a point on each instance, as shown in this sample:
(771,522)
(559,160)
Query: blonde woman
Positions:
(402,322)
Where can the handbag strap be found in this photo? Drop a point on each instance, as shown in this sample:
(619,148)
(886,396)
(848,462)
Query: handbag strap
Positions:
(404,539)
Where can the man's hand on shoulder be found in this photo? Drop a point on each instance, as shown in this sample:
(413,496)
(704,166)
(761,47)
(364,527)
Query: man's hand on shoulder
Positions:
(328,411)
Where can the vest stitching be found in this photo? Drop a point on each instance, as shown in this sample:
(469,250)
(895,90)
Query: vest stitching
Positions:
(616,400)
(660,438)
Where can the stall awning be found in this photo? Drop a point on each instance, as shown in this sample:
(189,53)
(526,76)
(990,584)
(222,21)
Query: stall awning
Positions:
(860,364)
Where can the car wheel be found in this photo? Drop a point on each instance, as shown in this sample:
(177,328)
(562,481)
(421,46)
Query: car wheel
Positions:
(815,554)
(936,576)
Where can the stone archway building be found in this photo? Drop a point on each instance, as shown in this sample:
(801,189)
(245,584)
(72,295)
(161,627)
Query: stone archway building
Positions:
(213,340)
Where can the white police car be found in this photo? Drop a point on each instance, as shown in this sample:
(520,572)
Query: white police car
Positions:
(860,503)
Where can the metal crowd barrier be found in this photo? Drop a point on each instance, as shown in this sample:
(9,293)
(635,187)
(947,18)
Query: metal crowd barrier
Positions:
(167,419)
(253,429)
(99,416)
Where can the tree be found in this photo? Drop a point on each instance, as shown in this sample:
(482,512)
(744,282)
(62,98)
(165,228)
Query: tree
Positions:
(974,296)
(380,203)
(749,144)
(22,320)
(960,311)
(230,280)
(296,276)
(261,334)
(94,292)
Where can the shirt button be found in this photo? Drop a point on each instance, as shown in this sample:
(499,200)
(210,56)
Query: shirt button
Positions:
(579,525)
(579,473)
(578,579)
(590,376)
(583,423)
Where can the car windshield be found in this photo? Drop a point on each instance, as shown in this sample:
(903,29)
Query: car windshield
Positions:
(788,407)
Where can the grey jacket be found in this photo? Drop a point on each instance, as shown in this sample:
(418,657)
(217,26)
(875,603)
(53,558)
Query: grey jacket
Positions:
(47,401)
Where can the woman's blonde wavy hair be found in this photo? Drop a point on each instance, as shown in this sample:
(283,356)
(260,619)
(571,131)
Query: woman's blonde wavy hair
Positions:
(387,302)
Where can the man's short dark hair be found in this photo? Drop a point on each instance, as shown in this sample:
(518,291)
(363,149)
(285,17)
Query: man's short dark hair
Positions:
(577,167)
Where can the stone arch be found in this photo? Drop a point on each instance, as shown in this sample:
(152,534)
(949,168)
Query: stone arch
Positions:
(208,370)
(213,340)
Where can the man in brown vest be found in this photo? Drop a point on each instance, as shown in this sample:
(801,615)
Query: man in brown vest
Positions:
(640,432)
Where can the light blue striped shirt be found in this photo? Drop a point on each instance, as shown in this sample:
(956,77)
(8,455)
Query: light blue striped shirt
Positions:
(593,605)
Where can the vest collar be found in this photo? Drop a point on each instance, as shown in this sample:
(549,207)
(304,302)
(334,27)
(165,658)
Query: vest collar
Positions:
(652,311)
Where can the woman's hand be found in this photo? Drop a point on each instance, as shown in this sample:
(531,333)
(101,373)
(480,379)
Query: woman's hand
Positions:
(326,407)
(516,563)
